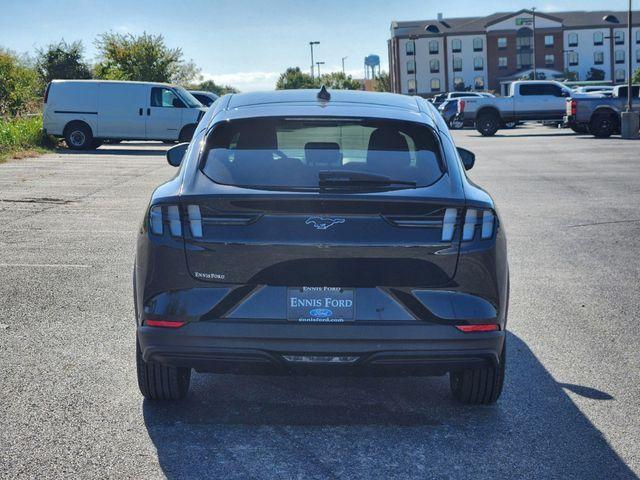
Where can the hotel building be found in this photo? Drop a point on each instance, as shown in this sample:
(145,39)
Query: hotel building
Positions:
(480,53)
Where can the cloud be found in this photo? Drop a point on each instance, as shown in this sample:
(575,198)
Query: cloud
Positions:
(246,81)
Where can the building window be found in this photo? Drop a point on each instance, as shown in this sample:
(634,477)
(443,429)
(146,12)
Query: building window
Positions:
(638,37)
(477,44)
(502,62)
(619,75)
(458,83)
(524,60)
(638,56)
(598,38)
(411,84)
(434,47)
(619,36)
(549,60)
(434,65)
(548,40)
(435,84)
(457,64)
(523,42)
(411,47)
(598,58)
(573,59)
(478,63)
(411,66)
(573,39)
(619,56)
(502,42)
(456,45)
(478,83)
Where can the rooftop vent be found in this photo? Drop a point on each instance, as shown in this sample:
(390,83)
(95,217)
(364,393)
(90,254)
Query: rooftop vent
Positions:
(440,17)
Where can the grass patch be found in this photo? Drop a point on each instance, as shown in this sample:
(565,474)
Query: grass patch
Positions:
(22,137)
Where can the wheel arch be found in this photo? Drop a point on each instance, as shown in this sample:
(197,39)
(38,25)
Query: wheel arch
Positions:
(489,110)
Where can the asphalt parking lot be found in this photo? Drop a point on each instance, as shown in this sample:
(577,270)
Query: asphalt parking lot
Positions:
(70,405)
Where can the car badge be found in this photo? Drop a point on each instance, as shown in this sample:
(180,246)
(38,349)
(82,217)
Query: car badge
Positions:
(323,223)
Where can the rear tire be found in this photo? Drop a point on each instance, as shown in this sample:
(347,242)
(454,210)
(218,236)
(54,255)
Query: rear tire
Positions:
(161,382)
(479,386)
(488,124)
(78,136)
(602,125)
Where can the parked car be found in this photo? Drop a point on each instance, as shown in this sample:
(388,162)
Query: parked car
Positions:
(438,99)
(599,115)
(321,232)
(449,109)
(528,100)
(204,97)
(87,112)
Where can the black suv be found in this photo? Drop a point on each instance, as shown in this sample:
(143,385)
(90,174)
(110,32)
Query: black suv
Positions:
(321,232)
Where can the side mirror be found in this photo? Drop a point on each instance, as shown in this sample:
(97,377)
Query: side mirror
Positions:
(468,158)
(177,103)
(176,153)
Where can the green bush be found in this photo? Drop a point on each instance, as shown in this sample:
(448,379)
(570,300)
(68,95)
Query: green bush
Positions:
(20,87)
(20,134)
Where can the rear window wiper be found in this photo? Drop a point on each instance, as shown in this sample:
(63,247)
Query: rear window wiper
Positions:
(348,178)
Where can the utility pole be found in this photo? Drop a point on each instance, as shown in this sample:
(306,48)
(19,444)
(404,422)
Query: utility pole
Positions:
(343,59)
(630,120)
(533,13)
(311,44)
(318,64)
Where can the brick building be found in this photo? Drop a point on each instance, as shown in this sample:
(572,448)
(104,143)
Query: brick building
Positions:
(478,53)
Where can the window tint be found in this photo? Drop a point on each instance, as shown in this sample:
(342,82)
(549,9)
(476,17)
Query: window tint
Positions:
(163,97)
(279,152)
(529,89)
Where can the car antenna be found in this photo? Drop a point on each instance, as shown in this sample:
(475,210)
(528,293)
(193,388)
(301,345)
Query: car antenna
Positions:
(323,94)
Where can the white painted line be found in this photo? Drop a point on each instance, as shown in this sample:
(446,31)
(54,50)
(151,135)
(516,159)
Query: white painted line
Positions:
(45,265)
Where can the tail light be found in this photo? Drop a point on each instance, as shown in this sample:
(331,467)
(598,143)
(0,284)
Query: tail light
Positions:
(161,216)
(574,107)
(461,104)
(482,219)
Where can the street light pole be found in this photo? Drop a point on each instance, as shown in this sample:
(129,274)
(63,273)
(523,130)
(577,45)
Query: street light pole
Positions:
(318,64)
(311,44)
(630,120)
(535,73)
(630,57)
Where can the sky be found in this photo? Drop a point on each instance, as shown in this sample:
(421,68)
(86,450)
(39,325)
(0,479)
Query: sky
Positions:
(248,43)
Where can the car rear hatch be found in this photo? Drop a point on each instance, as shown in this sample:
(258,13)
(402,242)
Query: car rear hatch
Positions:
(314,240)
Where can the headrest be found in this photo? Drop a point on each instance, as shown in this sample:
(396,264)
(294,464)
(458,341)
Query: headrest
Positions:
(388,149)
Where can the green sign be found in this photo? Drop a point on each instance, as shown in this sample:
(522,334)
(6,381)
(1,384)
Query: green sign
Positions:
(524,21)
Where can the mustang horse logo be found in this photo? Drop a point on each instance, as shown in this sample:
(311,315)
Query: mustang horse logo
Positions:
(322,223)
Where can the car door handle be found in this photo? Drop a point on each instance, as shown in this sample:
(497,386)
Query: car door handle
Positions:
(140,111)
(148,111)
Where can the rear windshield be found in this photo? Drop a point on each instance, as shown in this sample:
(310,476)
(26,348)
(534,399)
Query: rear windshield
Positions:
(291,153)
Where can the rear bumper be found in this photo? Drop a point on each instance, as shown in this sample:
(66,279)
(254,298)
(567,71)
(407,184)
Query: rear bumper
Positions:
(342,349)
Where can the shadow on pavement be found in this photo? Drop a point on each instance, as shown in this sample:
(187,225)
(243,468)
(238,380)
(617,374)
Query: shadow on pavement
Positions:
(309,427)
(114,151)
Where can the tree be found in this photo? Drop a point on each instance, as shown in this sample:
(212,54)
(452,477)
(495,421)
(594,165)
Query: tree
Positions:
(211,86)
(20,86)
(339,81)
(62,60)
(636,76)
(144,58)
(383,82)
(294,78)
(459,87)
(570,76)
(595,74)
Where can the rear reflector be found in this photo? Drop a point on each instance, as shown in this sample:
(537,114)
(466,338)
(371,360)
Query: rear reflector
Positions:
(163,323)
(478,328)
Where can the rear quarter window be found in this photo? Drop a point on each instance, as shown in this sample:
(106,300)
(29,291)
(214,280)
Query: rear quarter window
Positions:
(290,153)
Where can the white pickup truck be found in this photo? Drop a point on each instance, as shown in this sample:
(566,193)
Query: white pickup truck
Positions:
(527,100)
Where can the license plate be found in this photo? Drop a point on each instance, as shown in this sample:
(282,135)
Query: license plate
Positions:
(320,304)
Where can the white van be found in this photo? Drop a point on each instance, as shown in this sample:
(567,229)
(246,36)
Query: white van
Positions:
(86,112)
